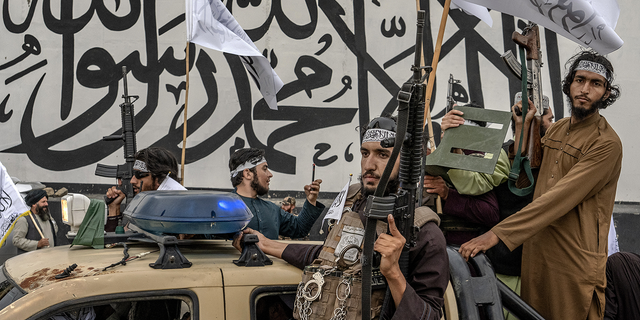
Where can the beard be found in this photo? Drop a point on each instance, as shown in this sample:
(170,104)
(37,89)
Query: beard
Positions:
(392,185)
(582,113)
(255,184)
(43,212)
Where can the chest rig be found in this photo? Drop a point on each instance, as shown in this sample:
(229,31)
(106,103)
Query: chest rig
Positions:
(331,287)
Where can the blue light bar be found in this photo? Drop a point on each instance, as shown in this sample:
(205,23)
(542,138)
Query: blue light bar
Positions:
(188,212)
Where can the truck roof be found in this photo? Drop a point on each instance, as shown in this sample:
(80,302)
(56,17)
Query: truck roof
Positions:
(213,266)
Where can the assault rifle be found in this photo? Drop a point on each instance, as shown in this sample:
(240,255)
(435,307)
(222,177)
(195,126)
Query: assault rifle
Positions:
(411,100)
(530,41)
(128,136)
(450,101)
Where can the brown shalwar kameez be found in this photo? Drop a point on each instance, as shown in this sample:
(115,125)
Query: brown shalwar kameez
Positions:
(565,228)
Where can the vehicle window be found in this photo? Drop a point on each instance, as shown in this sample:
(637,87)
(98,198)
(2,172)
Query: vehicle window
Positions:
(152,308)
(273,303)
(9,292)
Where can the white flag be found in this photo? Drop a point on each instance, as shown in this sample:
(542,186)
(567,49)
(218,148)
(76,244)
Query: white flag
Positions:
(472,9)
(12,206)
(170,184)
(589,23)
(211,25)
(335,211)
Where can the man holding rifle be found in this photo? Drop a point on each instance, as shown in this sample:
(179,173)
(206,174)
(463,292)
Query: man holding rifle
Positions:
(336,264)
(564,230)
(154,169)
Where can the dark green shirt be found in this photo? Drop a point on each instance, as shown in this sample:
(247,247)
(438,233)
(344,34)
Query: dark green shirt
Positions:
(272,221)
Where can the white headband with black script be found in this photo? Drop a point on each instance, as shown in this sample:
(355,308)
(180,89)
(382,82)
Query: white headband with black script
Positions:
(251,163)
(140,165)
(593,67)
(377,135)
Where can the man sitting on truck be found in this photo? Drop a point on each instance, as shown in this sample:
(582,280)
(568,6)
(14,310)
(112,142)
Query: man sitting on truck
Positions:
(421,297)
(250,177)
(155,168)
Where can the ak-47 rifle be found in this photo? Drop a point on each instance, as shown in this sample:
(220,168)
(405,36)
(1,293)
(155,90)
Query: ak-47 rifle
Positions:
(450,101)
(529,153)
(530,41)
(411,100)
(128,136)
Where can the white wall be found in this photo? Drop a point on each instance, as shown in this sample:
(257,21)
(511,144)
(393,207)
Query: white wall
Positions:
(59,141)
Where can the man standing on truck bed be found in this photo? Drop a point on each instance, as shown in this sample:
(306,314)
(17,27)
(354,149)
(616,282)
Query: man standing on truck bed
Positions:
(564,230)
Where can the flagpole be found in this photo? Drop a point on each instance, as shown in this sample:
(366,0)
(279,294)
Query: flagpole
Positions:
(36,225)
(184,126)
(431,82)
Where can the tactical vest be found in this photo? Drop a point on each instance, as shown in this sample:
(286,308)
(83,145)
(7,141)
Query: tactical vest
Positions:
(331,287)
(32,233)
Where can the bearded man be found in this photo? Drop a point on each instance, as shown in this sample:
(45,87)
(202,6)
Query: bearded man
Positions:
(250,176)
(419,297)
(26,236)
(154,169)
(564,230)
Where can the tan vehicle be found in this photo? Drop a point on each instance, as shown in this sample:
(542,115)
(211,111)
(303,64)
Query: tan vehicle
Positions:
(212,288)
(161,278)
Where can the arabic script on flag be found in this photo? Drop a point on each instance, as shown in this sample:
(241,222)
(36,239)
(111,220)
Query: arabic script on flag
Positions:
(12,206)
(589,23)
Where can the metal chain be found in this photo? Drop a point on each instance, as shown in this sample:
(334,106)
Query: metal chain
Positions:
(340,313)
(304,299)
(303,306)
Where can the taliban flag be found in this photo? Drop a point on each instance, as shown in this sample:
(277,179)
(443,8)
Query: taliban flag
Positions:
(211,25)
(590,23)
(12,206)
(335,211)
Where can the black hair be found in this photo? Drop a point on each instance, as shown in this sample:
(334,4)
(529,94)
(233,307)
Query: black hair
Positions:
(241,156)
(594,57)
(373,124)
(160,163)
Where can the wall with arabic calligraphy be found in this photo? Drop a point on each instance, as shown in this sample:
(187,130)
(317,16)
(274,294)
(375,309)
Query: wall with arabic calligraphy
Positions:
(342,62)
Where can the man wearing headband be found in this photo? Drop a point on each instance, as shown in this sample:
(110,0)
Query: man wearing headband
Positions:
(421,297)
(154,169)
(564,230)
(27,230)
(250,177)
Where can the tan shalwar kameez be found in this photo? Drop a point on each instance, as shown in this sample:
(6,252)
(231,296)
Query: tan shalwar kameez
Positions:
(565,228)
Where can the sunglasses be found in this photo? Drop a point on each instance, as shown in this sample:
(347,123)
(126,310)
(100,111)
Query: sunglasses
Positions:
(382,123)
(140,174)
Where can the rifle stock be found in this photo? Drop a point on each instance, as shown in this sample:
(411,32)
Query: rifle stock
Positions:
(123,172)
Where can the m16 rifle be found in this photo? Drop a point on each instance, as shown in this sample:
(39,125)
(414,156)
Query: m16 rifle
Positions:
(124,172)
(411,103)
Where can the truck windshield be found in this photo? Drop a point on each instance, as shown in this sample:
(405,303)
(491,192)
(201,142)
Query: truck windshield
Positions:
(9,291)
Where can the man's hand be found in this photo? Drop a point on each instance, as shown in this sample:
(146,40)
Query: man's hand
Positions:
(436,185)
(44,242)
(452,119)
(390,247)
(516,112)
(265,244)
(312,190)
(118,196)
(477,244)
